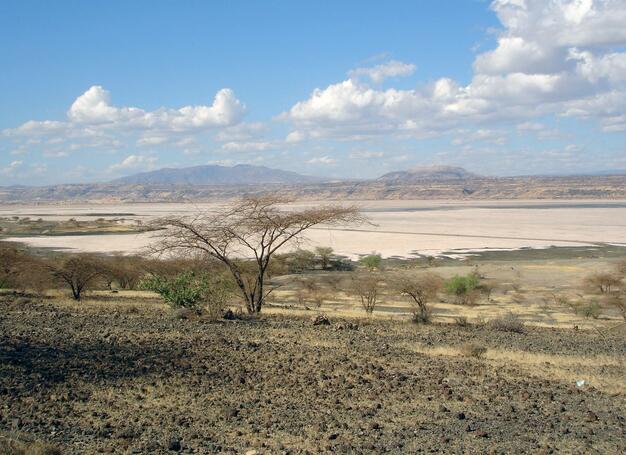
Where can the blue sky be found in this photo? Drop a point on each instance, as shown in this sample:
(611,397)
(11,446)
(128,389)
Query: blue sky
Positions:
(90,91)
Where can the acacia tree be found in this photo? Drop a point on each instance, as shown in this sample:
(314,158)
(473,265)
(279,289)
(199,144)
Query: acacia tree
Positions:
(78,272)
(325,254)
(602,282)
(253,228)
(366,287)
(421,289)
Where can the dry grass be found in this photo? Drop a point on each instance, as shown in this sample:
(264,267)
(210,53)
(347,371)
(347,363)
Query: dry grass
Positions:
(12,444)
(604,372)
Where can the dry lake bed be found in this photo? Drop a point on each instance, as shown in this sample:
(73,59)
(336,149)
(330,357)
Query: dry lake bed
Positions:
(399,228)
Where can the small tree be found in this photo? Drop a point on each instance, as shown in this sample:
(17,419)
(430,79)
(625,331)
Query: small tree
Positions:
(602,282)
(463,287)
(366,287)
(11,264)
(301,260)
(78,272)
(325,254)
(254,227)
(420,289)
(126,271)
(371,261)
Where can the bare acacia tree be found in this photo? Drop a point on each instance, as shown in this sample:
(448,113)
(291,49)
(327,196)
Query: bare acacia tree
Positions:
(366,287)
(253,228)
(78,272)
(420,289)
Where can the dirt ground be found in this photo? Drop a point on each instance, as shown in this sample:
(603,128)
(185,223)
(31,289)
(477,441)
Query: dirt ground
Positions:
(121,375)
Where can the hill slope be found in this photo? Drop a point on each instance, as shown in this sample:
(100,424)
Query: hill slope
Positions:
(428,173)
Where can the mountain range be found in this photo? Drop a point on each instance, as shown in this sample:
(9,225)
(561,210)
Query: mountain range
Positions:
(241,174)
(212,182)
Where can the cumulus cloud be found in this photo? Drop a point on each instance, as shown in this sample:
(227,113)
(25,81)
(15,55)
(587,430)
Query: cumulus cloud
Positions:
(552,57)
(94,122)
(134,162)
(383,71)
(94,108)
(93,114)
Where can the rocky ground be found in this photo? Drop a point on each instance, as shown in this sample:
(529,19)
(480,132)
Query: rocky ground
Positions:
(136,381)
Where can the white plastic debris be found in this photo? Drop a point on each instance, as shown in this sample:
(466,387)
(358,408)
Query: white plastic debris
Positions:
(581,383)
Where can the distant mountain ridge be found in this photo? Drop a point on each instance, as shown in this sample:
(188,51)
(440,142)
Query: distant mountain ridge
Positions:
(210,183)
(425,173)
(240,174)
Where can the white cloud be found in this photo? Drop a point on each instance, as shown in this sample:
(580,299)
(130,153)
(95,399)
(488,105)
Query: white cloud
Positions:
(241,132)
(93,114)
(530,126)
(366,154)
(480,135)
(553,57)
(134,162)
(55,153)
(94,108)
(326,160)
(381,72)
(610,67)
(255,146)
(12,167)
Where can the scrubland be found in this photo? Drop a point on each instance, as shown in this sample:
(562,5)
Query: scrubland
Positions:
(531,362)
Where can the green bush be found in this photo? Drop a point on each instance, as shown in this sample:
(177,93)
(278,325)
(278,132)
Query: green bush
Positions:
(462,287)
(192,290)
(371,261)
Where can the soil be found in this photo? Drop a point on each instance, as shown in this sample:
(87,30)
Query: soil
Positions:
(139,382)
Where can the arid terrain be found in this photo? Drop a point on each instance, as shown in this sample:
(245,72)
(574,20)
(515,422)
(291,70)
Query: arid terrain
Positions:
(530,360)
(119,374)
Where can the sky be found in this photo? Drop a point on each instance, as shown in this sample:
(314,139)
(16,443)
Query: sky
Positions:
(91,91)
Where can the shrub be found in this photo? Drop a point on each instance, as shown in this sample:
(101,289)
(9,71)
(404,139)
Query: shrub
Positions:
(192,290)
(463,288)
(462,321)
(366,287)
(420,289)
(126,271)
(589,310)
(20,270)
(602,282)
(371,261)
(509,323)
